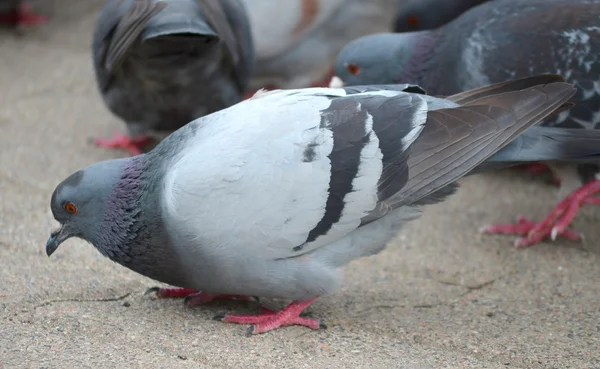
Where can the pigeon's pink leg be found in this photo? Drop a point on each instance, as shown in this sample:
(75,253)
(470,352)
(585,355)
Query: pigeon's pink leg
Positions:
(132,145)
(171,292)
(536,169)
(584,195)
(556,222)
(22,15)
(269,320)
(192,297)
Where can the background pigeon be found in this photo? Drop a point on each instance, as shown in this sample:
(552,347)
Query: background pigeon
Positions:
(494,42)
(298,184)
(19,12)
(296,41)
(161,64)
(419,15)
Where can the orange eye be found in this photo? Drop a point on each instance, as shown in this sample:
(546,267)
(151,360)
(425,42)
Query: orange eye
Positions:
(353,68)
(70,208)
(413,21)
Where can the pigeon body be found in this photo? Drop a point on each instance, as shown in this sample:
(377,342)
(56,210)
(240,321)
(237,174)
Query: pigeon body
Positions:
(272,196)
(161,64)
(494,42)
(420,15)
(296,41)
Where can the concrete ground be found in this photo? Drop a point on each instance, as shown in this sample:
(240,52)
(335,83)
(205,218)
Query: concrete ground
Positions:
(441,296)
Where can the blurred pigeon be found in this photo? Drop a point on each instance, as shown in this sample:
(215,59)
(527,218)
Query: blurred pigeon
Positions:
(15,13)
(161,64)
(493,42)
(296,41)
(272,196)
(420,15)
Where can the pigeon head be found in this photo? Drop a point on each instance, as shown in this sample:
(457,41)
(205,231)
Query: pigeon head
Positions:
(80,203)
(384,59)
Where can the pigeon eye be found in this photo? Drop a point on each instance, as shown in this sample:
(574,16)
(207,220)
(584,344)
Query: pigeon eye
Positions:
(413,21)
(353,68)
(70,208)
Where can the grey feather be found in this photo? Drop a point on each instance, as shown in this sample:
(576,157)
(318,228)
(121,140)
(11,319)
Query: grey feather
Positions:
(301,182)
(161,63)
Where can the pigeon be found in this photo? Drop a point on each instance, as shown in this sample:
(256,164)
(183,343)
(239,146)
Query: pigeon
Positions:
(296,41)
(420,15)
(14,13)
(272,196)
(494,42)
(161,64)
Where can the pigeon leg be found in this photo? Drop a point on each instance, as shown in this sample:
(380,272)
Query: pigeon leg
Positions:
(192,297)
(132,145)
(584,195)
(269,320)
(22,15)
(556,222)
(171,292)
(538,169)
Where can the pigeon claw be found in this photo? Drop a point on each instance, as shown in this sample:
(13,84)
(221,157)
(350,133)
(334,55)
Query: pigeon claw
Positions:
(132,145)
(171,292)
(219,317)
(556,223)
(200,298)
(268,320)
(152,290)
(192,297)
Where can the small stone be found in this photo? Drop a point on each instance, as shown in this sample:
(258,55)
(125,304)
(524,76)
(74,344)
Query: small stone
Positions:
(126,304)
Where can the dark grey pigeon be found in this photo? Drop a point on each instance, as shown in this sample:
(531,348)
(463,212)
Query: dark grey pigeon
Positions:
(420,15)
(494,42)
(161,64)
(273,196)
(15,13)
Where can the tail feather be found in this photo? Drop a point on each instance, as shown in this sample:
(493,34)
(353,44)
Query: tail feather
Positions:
(547,144)
(457,140)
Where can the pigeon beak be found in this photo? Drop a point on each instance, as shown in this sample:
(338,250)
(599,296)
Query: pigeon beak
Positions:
(56,238)
(336,82)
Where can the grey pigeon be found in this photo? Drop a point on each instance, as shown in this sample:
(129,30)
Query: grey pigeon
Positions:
(15,13)
(272,196)
(161,64)
(420,15)
(296,41)
(494,42)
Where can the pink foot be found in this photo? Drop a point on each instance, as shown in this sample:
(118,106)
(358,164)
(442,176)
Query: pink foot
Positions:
(556,222)
(536,169)
(192,297)
(132,145)
(22,15)
(269,320)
